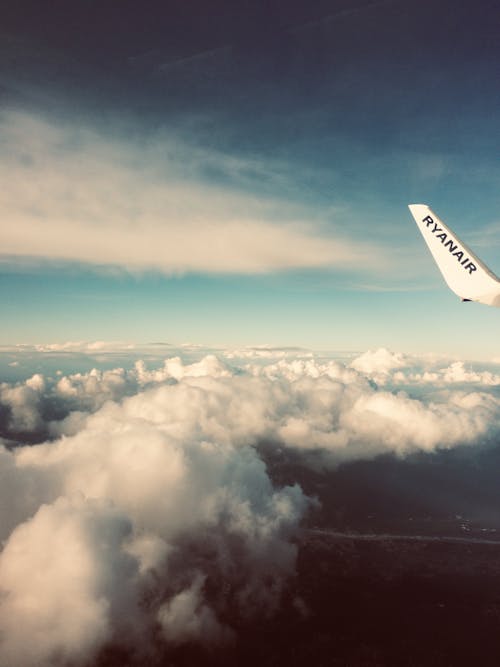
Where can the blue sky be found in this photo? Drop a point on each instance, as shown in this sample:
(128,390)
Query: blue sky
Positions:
(239,174)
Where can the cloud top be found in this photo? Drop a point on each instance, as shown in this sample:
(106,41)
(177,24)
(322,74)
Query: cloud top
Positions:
(146,517)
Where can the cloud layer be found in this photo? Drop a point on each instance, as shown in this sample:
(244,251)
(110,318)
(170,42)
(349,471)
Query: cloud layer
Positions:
(78,194)
(147,518)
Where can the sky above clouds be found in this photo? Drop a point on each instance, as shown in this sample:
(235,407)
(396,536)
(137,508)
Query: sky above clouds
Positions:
(239,173)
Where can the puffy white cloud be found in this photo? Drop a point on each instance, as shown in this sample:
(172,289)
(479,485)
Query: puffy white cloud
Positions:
(23,403)
(67,584)
(297,397)
(395,368)
(151,514)
(380,362)
(92,388)
(456,374)
(149,499)
(174,368)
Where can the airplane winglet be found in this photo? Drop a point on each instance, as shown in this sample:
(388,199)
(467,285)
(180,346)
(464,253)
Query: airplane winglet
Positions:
(464,273)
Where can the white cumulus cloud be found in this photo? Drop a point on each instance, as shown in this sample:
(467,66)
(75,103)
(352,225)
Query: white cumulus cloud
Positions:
(146,516)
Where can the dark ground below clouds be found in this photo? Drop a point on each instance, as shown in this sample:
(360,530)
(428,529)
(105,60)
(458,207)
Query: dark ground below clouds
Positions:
(415,584)
(369,603)
(448,492)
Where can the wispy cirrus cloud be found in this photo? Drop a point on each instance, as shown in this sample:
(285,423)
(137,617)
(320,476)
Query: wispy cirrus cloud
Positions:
(76,194)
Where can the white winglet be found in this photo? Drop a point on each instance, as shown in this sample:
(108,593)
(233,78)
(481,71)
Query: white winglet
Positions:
(463,271)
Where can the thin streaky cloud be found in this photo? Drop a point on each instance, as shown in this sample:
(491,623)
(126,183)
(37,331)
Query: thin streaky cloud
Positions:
(74,195)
